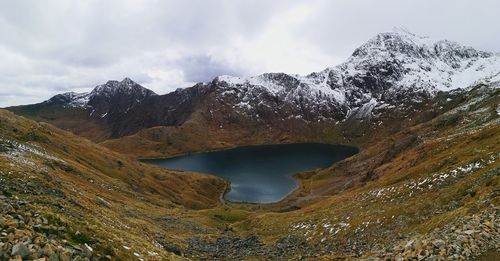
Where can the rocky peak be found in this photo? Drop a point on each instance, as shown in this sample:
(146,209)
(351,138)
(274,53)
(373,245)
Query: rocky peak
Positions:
(126,86)
(404,60)
(401,44)
(63,97)
(395,68)
(115,99)
(125,92)
(128,81)
(398,41)
(71,99)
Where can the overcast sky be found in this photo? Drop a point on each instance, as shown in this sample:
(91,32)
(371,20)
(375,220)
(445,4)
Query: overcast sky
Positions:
(54,46)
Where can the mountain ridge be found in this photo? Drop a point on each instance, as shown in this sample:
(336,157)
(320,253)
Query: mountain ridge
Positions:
(394,72)
(380,48)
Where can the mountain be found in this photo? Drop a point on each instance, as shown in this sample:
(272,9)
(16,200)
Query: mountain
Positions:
(390,69)
(389,76)
(110,103)
(111,98)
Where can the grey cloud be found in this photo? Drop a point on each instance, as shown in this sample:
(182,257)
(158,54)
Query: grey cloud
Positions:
(201,68)
(347,24)
(55,46)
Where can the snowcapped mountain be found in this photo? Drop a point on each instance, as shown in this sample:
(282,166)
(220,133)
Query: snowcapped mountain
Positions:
(106,107)
(111,101)
(422,63)
(390,69)
(105,94)
(394,71)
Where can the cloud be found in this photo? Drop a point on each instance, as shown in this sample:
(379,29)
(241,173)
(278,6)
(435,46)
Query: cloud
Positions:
(199,68)
(54,46)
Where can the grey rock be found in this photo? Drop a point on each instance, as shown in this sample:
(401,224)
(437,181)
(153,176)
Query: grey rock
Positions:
(103,202)
(21,250)
(439,243)
(410,246)
(65,255)
(469,232)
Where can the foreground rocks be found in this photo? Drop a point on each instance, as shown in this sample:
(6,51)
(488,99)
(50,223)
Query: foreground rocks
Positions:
(465,239)
(234,247)
(28,235)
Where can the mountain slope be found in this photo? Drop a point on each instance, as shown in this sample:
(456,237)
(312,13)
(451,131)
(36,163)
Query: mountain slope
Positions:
(56,186)
(427,191)
(391,69)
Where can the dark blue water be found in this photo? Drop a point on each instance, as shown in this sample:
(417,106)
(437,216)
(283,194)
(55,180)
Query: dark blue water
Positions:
(260,173)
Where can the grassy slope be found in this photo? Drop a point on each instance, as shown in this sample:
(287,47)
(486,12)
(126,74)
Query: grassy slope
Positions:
(69,118)
(200,134)
(111,199)
(375,213)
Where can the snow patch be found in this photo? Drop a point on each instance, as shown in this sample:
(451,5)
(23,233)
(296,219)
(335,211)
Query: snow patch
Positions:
(88,247)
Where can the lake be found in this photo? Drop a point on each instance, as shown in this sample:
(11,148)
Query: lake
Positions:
(262,173)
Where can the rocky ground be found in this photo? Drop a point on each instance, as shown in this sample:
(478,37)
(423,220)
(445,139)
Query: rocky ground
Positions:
(28,235)
(465,239)
(234,247)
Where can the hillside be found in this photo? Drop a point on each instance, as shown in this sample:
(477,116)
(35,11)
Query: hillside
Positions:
(60,194)
(430,190)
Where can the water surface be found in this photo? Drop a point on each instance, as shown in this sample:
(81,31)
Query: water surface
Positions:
(260,173)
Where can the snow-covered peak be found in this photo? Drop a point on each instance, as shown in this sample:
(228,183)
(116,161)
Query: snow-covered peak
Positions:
(72,99)
(408,45)
(230,79)
(273,82)
(126,87)
(397,41)
(421,62)
(388,68)
(404,30)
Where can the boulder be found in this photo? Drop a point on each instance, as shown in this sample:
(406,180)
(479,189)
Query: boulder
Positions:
(20,250)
